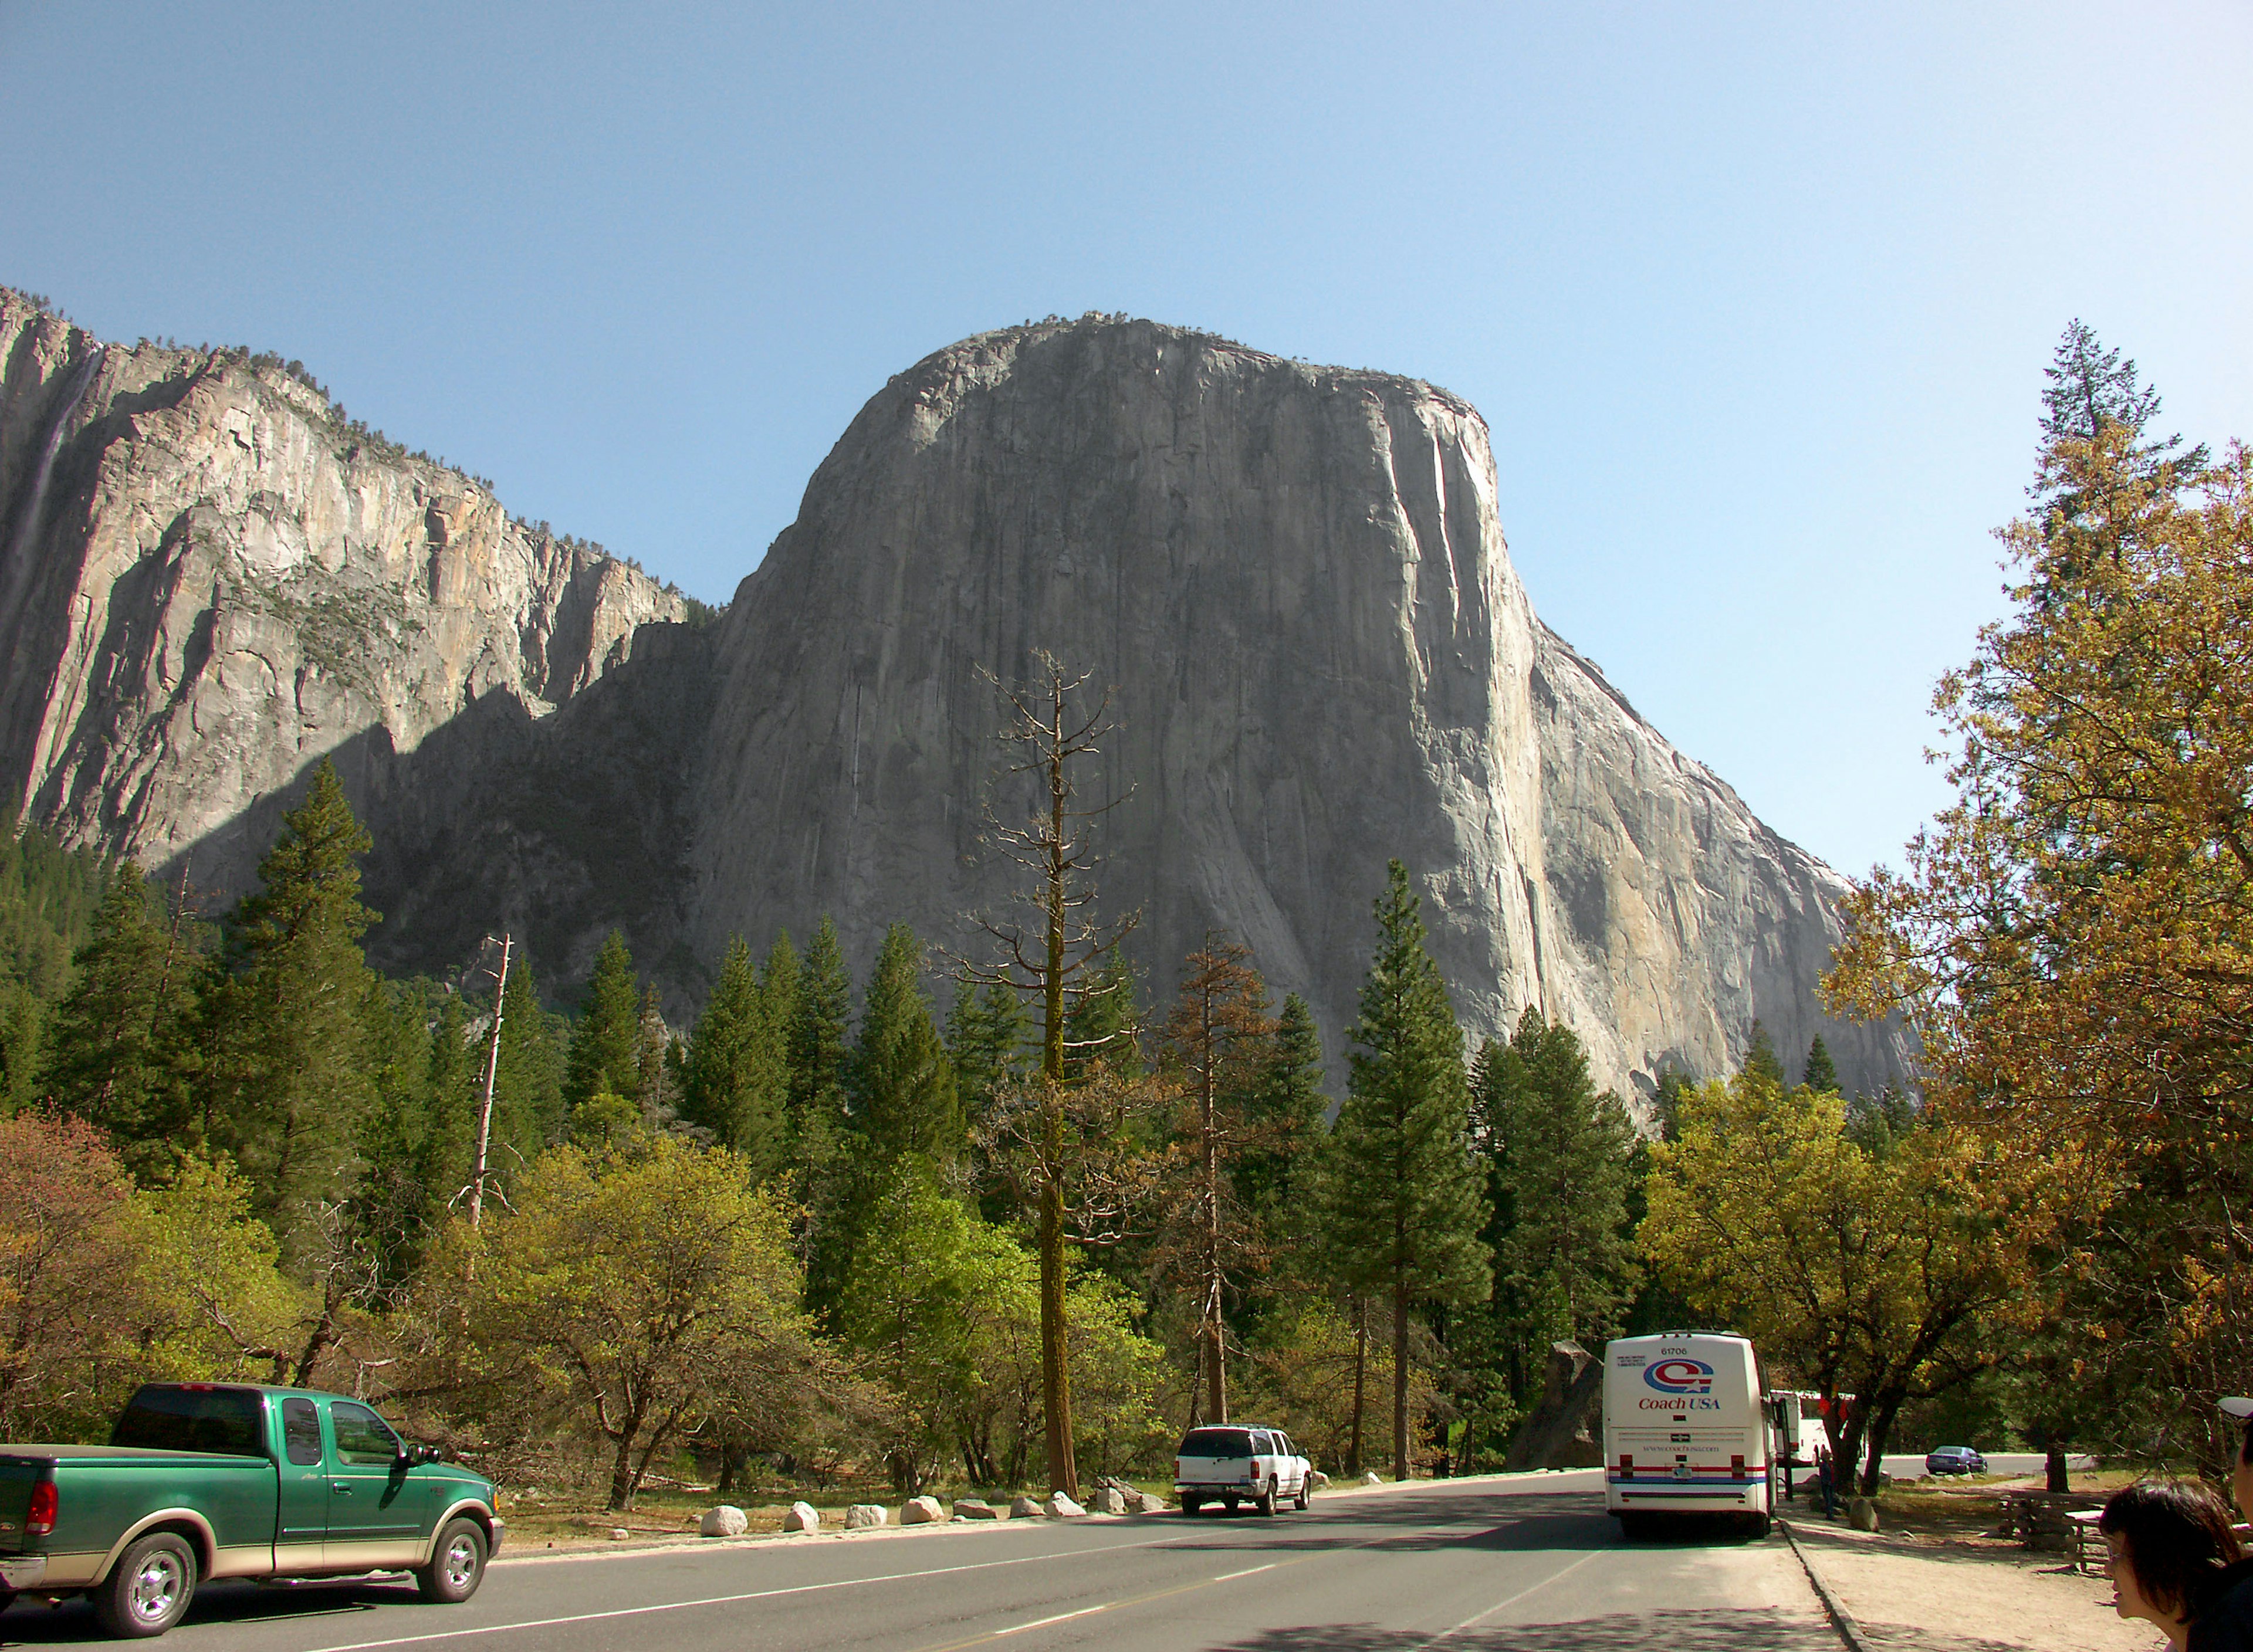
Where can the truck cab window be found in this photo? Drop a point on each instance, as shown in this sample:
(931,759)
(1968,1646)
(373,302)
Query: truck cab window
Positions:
(301,1431)
(363,1438)
(194,1417)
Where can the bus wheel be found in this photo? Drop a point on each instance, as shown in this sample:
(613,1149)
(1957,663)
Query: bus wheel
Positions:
(1760,1524)
(1635,1526)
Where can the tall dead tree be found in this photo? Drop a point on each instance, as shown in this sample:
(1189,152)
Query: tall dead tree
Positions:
(1218,1033)
(1052,960)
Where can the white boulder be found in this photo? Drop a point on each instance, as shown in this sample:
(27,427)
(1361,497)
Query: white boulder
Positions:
(976,1508)
(1371,1478)
(920,1512)
(1062,1507)
(726,1521)
(802,1516)
(862,1516)
(1024,1506)
(1107,1500)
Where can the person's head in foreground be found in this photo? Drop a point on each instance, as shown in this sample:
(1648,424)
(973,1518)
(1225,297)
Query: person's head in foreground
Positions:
(2240,1484)
(2170,1541)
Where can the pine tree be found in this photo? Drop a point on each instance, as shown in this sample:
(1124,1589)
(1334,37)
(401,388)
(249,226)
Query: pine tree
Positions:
(1761,1058)
(736,1078)
(1402,1196)
(901,1084)
(529,1112)
(820,1030)
(402,1190)
(605,1055)
(1276,1174)
(989,1036)
(1566,1255)
(2089,388)
(120,1047)
(1819,1073)
(1101,1022)
(285,1087)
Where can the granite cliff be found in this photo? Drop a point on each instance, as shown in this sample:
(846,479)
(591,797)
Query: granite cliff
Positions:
(1294,577)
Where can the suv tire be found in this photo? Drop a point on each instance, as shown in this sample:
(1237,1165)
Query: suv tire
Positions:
(1306,1491)
(457,1563)
(148,1591)
(1266,1502)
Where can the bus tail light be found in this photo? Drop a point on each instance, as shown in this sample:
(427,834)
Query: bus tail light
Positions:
(1736,1468)
(40,1521)
(1626,1467)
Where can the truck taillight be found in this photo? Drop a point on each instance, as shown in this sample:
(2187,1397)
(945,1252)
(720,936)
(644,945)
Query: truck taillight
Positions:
(40,1521)
(1736,1468)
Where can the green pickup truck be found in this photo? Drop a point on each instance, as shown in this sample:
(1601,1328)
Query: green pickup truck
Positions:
(220,1480)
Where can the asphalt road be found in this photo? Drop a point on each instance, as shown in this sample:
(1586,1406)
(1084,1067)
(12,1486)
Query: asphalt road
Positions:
(1476,1565)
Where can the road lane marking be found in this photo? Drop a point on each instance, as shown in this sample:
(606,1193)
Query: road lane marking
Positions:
(1228,1576)
(1061,1617)
(1472,1622)
(726,1600)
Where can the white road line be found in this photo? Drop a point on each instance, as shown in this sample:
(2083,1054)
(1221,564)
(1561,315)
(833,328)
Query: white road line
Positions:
(1226,1577)
(1472,1622)
(728,1599)
(1043,1623)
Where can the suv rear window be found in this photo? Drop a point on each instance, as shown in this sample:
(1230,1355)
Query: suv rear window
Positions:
(1217,1442)
(169,1417)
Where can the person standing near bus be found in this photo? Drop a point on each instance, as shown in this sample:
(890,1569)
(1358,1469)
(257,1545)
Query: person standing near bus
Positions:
(2225,1623)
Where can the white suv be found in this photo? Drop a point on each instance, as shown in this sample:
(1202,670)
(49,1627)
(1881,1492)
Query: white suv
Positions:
(1232,1464)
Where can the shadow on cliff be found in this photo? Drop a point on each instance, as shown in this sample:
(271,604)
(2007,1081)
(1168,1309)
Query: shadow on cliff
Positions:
(557,829)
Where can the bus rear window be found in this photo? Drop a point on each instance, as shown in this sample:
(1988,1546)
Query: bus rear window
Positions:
(222,1421)
(1217,1442)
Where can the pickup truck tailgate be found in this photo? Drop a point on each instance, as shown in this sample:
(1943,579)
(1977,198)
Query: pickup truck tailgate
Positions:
(18,1475)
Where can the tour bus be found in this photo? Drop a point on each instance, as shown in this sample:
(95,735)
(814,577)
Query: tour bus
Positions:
(1685,1430)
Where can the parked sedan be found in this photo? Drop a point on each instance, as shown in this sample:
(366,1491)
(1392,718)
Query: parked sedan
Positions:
(1955,1459)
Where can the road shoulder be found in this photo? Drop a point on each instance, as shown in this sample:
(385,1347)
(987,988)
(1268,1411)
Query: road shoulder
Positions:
(1907,1594)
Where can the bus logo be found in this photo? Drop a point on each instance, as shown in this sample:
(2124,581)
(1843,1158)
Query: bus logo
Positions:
(1680,1377)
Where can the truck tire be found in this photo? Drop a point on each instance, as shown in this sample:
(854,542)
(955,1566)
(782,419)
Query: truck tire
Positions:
(1267,1499)
(1306,1491)
(148,1591)
(1190,1505)
(7,1599)
(457,1563)
(1229,1503)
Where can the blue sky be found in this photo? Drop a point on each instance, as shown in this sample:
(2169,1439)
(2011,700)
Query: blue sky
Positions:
(1755,299)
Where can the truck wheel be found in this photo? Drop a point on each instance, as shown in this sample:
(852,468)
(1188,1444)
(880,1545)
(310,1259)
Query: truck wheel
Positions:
(1229,1503)
(7,1599)
(1267,1499)
(457,1563)
(1190,1505)
(1306,1491)
(148,1591)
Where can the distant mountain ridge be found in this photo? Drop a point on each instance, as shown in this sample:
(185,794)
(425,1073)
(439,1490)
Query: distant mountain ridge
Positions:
(1295,577)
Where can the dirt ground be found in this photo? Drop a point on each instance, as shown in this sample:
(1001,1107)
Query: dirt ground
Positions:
(1937,1579)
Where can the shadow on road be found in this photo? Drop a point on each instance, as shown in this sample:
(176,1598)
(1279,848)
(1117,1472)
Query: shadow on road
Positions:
(29,1623)
(1710,1631)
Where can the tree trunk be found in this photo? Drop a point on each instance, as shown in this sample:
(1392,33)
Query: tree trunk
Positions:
(1400,1463)
(1360,1382)
(2054,1463)
(1881,1429)
(1056,1366)
(623,1478)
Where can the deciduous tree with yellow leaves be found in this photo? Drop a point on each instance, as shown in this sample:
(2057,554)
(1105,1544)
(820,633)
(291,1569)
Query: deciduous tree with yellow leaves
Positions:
(1856,1271)
(2073,937)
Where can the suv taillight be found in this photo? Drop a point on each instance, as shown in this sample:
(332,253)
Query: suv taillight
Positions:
(40,1521)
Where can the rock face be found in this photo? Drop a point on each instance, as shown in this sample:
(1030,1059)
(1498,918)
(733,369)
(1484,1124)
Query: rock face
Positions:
(1293,579)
